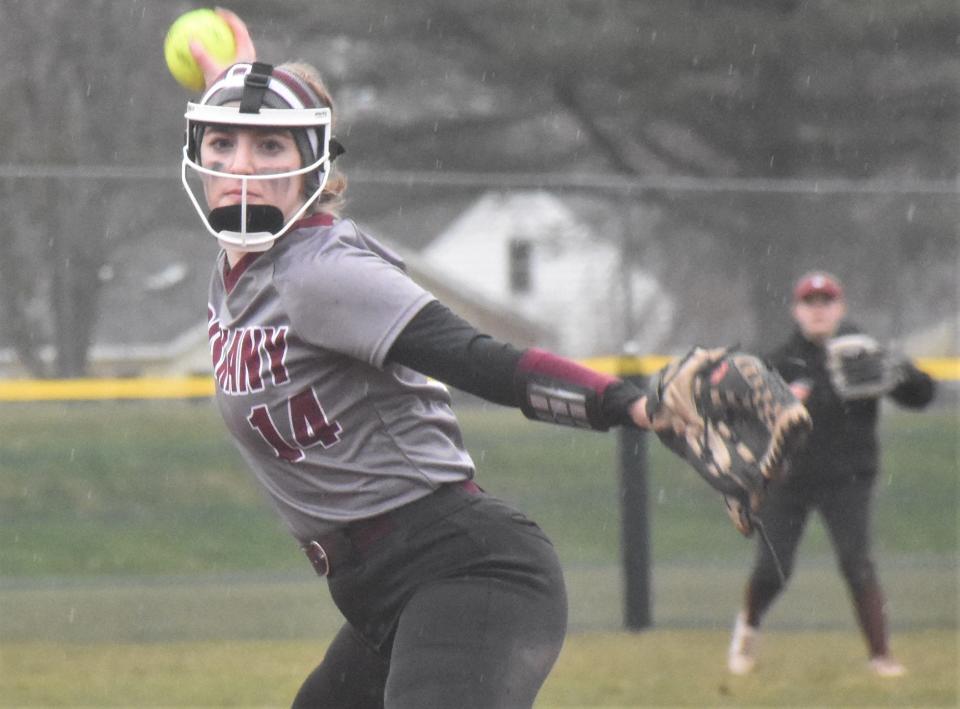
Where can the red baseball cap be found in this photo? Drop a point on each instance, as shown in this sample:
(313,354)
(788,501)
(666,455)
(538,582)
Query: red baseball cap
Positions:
(817,283)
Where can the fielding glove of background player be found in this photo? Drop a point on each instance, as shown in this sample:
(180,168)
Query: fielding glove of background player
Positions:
(860,368)
(733,419)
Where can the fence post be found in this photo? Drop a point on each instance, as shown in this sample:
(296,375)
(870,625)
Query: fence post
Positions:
(635,525)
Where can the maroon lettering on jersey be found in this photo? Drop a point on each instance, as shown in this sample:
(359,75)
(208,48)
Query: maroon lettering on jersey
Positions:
(249,359)
(276,346)
(260,419)
(221,362)
(232,362)
(309,421)
(215,334)
(239,356)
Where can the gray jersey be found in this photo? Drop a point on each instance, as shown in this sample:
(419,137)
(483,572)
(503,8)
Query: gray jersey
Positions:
(299,335)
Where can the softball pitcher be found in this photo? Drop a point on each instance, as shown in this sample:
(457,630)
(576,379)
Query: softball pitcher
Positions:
(326,357)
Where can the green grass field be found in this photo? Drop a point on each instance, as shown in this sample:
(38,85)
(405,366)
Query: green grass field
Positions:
(140,567)
(660,668)
(143,488)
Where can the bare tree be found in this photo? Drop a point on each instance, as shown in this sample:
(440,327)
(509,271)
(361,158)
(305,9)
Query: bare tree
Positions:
(78,99)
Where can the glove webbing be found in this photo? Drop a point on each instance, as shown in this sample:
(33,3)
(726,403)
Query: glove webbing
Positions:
(707,457)
(706,453)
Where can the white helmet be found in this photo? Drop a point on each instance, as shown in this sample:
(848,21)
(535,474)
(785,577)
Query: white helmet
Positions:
(272,97)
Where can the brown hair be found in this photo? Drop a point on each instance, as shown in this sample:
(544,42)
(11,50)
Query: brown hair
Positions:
(332,198)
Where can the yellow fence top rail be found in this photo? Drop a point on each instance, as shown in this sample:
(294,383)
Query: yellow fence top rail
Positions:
(91,389)
(940,368)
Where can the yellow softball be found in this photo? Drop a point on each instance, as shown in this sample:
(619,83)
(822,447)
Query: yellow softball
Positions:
(208,28)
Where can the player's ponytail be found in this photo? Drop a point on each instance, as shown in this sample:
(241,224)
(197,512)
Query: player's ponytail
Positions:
(331,199)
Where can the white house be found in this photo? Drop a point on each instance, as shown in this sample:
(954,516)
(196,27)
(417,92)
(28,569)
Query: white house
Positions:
(530,253)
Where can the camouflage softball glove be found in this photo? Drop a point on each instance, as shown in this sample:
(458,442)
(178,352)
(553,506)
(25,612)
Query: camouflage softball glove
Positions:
(733,419)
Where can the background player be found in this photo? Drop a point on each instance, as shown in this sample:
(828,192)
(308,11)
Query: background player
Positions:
(834,474)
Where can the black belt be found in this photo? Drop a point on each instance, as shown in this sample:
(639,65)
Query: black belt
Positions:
(359,537)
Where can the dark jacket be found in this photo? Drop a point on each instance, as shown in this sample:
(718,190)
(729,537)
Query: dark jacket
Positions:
(844,437)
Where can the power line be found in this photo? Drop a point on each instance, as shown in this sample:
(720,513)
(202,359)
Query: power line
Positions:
(519,180)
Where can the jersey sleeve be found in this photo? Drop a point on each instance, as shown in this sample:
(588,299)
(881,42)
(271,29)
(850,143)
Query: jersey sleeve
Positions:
(445,347)
(545,387)
(916,388)
(350,297)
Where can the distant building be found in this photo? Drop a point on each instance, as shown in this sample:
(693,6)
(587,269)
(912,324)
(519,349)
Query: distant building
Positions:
(528,253)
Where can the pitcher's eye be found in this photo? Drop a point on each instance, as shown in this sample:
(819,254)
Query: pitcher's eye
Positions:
(219,142)
(272,145)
